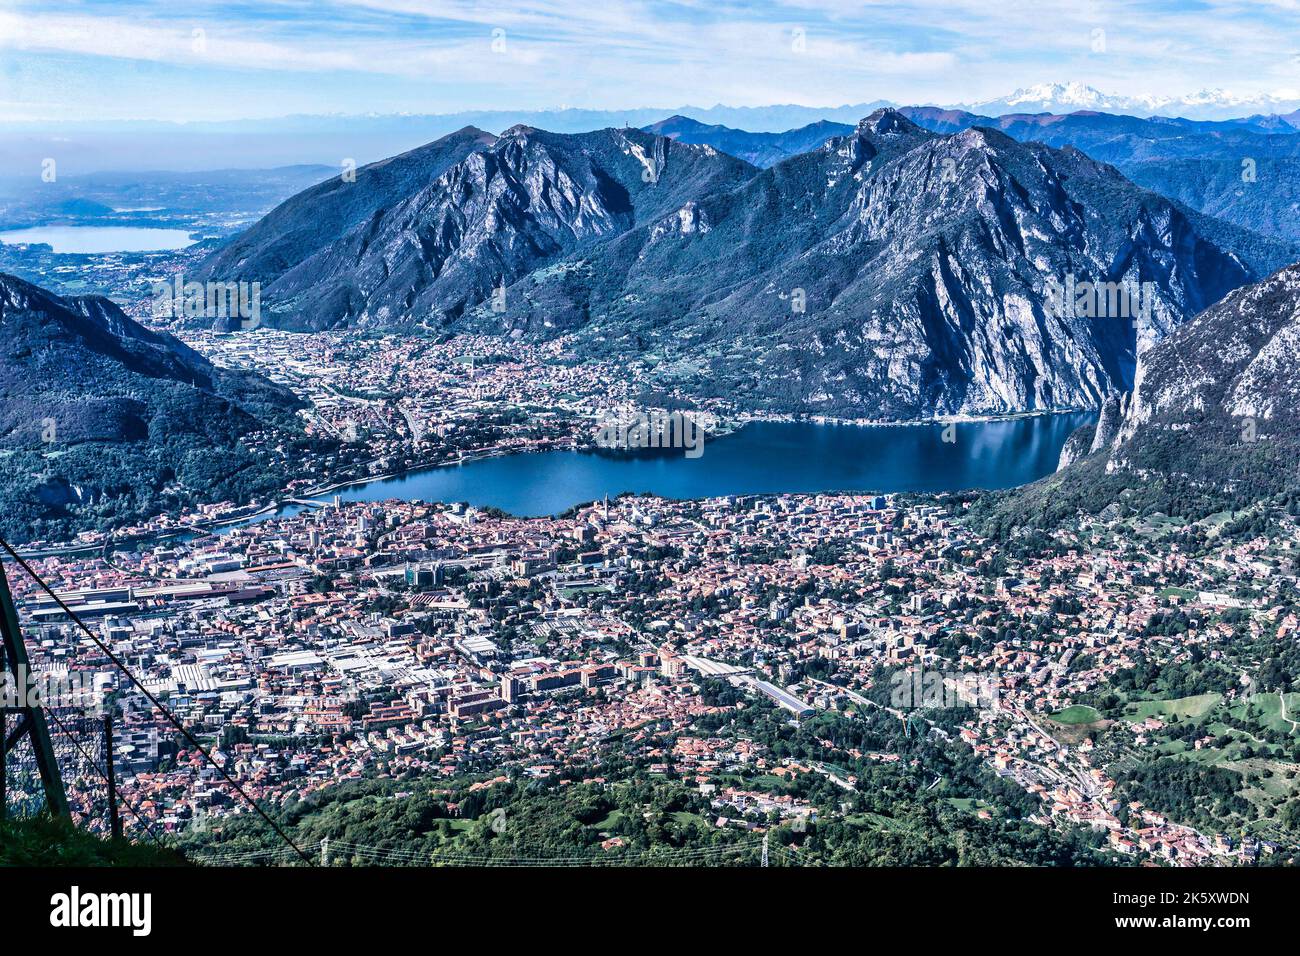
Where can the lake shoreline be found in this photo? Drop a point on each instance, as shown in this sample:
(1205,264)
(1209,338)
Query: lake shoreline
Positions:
(103,239)
(908,423)
(486,454)
(416,470)
(282,504)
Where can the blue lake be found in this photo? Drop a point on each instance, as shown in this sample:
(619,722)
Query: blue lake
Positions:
(762,458)
(98,239)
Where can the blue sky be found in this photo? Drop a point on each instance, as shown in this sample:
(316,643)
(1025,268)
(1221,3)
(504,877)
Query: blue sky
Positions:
(163,59)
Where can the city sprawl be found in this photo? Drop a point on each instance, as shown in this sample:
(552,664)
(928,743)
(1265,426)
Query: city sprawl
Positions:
(395,639)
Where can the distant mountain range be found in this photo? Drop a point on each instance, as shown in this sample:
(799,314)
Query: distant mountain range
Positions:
(760,149)
(1104,136)
(139,145)
(101,414)
(892,272)
(1209,104)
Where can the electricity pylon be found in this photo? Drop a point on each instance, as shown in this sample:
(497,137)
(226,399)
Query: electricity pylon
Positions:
(32,723)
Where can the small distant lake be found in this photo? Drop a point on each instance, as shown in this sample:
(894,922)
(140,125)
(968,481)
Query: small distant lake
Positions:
(762,458)
(97,239)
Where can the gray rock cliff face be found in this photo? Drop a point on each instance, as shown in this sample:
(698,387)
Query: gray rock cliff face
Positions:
(1222,388)
(892,273)
(317,217)
(1076,446)
(1109,421)
(528,200)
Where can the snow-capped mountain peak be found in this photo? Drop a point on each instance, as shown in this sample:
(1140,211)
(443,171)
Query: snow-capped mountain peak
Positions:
(1206,104)
(1078,94)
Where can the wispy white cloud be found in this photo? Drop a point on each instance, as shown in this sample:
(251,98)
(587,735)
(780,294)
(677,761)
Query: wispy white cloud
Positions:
(205,43)
(400,54)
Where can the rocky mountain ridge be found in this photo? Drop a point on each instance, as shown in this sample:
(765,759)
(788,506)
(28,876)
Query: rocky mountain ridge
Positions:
(892,272)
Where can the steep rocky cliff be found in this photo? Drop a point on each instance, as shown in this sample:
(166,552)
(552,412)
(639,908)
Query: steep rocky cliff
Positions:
(893,272)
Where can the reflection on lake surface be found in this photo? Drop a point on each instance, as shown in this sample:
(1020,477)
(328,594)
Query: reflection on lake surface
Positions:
(762,458)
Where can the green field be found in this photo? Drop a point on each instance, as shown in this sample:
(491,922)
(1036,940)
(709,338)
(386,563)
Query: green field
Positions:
(1180,707)
(969,804)
(1078,714)
(568,594)
(1266,710)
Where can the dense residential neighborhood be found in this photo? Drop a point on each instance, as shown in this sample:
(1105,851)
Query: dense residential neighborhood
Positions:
(356,639)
